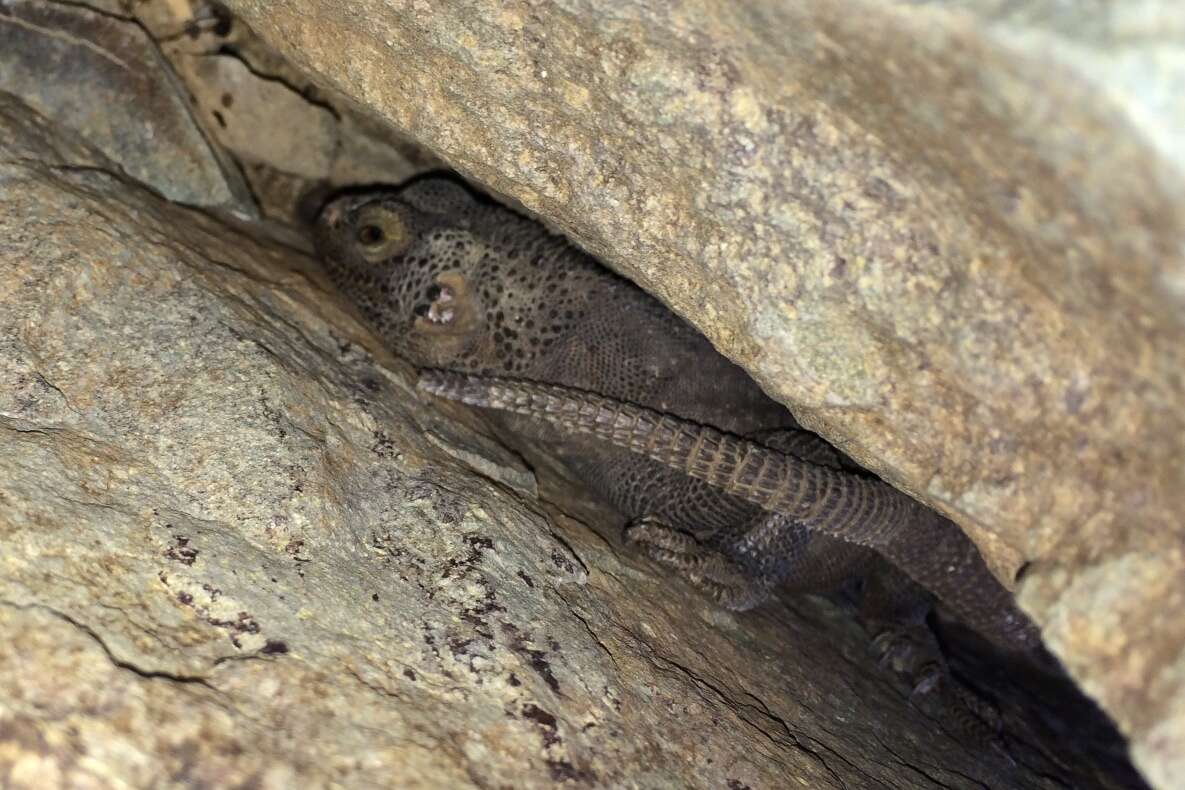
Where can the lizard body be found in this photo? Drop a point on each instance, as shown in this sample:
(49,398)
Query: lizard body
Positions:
(642,408)
(794,485)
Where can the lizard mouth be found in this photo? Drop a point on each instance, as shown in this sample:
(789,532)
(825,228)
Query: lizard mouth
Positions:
(447,307)
(441,309)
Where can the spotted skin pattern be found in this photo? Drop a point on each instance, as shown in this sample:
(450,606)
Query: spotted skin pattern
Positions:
(450,281)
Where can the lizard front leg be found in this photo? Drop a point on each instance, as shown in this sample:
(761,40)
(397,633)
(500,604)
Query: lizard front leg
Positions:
(711,570)
(893,610)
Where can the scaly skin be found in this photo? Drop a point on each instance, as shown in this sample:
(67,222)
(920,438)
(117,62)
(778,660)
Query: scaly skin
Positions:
(930,549)
(455,283)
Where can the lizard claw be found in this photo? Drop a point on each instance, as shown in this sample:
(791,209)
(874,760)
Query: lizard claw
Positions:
(652,533)
(1001,748)
(708,569)
(896,649)
(930,678)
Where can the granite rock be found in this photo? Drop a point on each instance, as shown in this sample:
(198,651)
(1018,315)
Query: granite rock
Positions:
(234,551)
(96,71)
(950,235)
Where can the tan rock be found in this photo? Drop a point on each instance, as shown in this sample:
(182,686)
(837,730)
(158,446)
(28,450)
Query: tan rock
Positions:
(233,552)
(950,235)
(87,68)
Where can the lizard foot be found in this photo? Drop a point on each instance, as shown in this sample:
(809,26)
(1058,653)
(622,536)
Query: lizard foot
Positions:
(971,716)
(984,711)
(912,652)
(727,583)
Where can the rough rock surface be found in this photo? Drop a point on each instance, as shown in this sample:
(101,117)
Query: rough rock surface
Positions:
(237,549)
(950,235)
(77,64)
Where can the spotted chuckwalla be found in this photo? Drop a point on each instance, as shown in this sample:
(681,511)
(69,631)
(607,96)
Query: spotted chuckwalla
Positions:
(716,480)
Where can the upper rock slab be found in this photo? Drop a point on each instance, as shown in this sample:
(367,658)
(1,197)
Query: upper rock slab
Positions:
(950,235)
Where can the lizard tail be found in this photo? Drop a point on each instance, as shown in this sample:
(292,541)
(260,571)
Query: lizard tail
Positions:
(926,546)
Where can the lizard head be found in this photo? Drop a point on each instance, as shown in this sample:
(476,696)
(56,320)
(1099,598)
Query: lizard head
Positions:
(407,259)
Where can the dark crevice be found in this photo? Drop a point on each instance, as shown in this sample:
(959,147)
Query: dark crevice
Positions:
(81,4)
(39,431)
(760,710)
(592,633)
(66,167)
(124,664)
(58,390)
(920,771)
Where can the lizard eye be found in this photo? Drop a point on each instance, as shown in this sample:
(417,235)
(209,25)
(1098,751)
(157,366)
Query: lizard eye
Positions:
(382,233)
(370,235)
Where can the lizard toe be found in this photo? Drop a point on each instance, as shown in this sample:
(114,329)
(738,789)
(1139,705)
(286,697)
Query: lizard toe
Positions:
(926,681)
(648,531)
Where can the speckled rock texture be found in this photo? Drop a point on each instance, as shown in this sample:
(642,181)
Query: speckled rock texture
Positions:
(76,64)
(950,235)
(237,550)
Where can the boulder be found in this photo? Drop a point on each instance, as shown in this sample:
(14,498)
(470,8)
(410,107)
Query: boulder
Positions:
(950,236)
(79,65)
(238,549)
